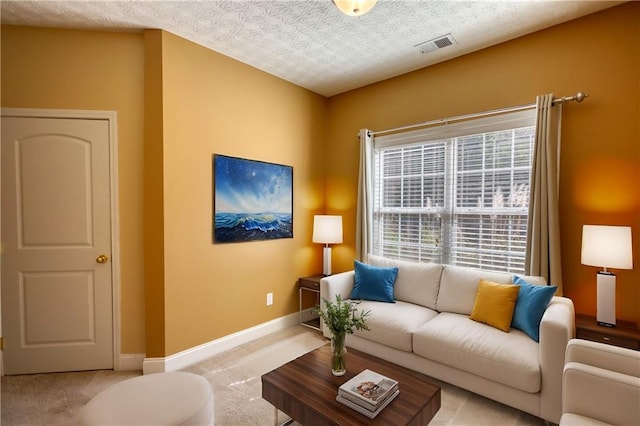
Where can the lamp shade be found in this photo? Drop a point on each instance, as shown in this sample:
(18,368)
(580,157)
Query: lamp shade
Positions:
(327,229)
(607,246)
(354,7)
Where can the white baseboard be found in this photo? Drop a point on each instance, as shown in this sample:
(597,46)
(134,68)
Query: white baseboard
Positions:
(130,362)
(198,353)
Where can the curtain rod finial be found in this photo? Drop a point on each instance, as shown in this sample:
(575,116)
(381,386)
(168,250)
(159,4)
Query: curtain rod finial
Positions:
(579,97)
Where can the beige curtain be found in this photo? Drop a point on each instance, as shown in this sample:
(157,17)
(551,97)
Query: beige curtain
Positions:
(364,212)
(543,235)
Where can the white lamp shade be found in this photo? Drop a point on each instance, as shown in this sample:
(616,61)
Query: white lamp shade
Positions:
(354,7)
(327,229)
(607,246)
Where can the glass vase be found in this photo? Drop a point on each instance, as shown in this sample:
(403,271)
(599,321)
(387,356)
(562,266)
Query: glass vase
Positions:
(338,355)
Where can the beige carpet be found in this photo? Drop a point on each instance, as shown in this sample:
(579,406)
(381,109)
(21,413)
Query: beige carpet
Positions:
(56,399)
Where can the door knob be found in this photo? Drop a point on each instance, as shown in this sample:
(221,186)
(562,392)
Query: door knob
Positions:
(102,258)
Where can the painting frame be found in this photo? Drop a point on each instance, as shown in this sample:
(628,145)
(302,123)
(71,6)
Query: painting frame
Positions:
(252,200)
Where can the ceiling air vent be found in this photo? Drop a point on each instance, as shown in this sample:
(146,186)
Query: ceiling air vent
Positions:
(436,44)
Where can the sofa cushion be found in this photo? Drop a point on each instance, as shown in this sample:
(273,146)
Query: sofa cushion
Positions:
(532,302)
(417,282)
(459,285)
(494,304)
(393,324)
(373,282)
(508,358)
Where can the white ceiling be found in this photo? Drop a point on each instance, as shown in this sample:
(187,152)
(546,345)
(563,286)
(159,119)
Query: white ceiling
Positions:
(309,42)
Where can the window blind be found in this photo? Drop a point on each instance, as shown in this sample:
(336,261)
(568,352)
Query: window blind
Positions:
(457,194)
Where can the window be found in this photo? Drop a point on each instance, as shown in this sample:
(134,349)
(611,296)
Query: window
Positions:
(457,194)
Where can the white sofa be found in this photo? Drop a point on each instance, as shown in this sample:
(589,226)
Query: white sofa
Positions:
(428,330)
(601,385)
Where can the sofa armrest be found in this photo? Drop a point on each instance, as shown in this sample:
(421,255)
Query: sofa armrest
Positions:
(556,329)
(333,285)
(601,394)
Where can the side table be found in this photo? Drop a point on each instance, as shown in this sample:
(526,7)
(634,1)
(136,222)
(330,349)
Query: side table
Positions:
(311,284)
(625,334)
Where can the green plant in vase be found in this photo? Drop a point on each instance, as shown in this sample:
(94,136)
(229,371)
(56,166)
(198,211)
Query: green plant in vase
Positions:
(341,318)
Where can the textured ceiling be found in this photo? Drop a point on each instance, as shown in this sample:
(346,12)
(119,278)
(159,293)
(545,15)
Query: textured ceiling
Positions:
(309,42)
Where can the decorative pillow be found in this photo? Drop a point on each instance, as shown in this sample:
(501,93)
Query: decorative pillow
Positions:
(374,282)
(495,304)
(532,302)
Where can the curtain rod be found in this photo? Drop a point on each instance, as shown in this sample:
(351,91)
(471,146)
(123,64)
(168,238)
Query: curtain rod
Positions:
(578,97)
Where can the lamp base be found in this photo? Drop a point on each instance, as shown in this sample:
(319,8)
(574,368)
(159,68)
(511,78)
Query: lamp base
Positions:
(326,261)
(606,299)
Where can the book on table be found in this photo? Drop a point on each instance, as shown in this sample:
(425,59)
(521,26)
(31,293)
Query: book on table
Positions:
(367,412)
(368,390)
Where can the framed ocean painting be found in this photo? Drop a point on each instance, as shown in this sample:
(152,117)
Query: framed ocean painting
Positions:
(252,201)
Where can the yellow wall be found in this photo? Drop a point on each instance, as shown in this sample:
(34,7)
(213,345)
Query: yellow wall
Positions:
(600,159)
(198,103)
(215,105)
(178,104)
(60,69)
(154,195)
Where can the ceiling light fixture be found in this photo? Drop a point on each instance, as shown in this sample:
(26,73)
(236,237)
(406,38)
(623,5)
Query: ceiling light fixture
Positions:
(354,7)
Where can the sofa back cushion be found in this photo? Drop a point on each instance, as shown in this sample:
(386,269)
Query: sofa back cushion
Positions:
(459,286)
(416,282)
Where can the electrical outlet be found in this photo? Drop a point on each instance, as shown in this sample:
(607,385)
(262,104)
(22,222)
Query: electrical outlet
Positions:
(269,299)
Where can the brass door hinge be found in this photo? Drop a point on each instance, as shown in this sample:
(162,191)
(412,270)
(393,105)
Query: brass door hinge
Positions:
(1,343)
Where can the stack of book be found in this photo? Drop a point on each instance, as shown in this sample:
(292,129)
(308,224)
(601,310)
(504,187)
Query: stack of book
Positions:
(368,393)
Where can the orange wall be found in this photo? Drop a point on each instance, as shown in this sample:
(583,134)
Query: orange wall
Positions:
(600,159)
(215,105)
(62,69)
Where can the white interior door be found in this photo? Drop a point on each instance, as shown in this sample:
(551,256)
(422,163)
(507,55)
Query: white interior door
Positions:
(56,245)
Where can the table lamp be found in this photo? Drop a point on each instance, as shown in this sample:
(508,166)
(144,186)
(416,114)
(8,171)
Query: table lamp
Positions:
(607,247)
(327,229)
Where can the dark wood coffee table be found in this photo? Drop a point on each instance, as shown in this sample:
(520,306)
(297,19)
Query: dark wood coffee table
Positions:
(305,390)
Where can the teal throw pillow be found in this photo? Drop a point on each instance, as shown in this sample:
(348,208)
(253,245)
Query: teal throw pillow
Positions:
(532,302)
(374,282)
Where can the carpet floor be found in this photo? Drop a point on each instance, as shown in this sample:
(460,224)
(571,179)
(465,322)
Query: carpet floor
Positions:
(57,398)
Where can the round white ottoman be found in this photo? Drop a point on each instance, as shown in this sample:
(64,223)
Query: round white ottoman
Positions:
(174,398)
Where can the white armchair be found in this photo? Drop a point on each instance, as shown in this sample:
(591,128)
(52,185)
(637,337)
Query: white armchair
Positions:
(600,385)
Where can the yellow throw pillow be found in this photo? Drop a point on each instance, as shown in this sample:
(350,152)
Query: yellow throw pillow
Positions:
(495,304)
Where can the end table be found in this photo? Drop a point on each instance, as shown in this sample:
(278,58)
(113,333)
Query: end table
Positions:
(312,284)
(625,334)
